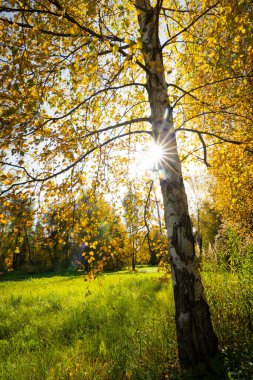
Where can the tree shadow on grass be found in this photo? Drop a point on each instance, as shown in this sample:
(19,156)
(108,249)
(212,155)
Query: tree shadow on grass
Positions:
(17,276)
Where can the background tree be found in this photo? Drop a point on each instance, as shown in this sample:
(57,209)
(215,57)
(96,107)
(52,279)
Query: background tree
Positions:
(133,216)
(100,232)
(16,240)
(209,223)
(232,188)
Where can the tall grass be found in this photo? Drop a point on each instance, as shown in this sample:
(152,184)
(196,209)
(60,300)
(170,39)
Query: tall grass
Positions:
(120,326)
(230,298)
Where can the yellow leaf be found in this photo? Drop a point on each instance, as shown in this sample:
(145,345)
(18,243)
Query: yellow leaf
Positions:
(115,48)
(108,44)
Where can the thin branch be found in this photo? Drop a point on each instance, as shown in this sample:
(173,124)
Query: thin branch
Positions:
(212,83)
(204,149)
(145,215)
(159,4)
(190,25)
(176,10)
(214,112)
(65,58)
(182,90)
(141,65)
(109,51)
(118,125)
(198,149)
(16,166)
(56,118)
(235,142)
(167,26)
(82,27)
(87,30)
(81,158)
(44,31)
(173,19)
(94,95)
(63,14)
(30,10)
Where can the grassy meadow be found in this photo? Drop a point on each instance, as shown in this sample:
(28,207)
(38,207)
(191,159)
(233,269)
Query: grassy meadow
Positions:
(119,326)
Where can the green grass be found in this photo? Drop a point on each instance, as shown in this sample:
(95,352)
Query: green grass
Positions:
(64,327)
(230,298)
(119,326)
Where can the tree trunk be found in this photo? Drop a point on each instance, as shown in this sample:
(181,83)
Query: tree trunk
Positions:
(197,341)
(15,257)
(133,262)
(28,246)
(133,252)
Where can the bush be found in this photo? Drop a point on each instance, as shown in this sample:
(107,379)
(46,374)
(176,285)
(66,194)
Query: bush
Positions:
(234,251)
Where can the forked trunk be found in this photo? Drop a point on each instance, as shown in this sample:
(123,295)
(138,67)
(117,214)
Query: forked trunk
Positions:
(197,341)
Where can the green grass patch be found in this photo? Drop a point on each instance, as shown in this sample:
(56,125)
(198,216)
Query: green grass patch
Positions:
(230,298)
(119,326)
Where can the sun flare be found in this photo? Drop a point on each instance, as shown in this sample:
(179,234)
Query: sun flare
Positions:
(155,155)
(154,158)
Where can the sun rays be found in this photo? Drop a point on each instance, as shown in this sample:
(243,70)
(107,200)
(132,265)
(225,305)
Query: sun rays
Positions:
(156,159)
(158,156)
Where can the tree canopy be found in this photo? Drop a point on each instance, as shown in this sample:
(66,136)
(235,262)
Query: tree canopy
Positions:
(68,65)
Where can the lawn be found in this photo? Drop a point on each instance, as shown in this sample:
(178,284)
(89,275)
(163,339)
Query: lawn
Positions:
(119,326)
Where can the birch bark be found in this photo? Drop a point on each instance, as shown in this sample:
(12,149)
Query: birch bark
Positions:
(197,341)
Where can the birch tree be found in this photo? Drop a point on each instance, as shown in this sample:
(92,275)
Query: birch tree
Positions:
(79,78)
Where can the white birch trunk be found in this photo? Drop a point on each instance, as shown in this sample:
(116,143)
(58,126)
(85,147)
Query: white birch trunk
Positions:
(197,341)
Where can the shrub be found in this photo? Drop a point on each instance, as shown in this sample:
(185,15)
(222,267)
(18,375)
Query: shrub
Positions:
(234,251)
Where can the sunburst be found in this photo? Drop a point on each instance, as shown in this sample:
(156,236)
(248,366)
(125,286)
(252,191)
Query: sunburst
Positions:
(156,158)
(159,155)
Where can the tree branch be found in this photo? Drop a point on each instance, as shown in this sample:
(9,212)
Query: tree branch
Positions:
(55,119)
(204,149)
(214,112)
(118,125)
(70,18)
(190,25)
(197,149)
(176,10)
(44,31)
(210,84)
(235,142)
(145,215)
(81,158)
(182,90)
(94,95)
(29,10)
(18,167)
